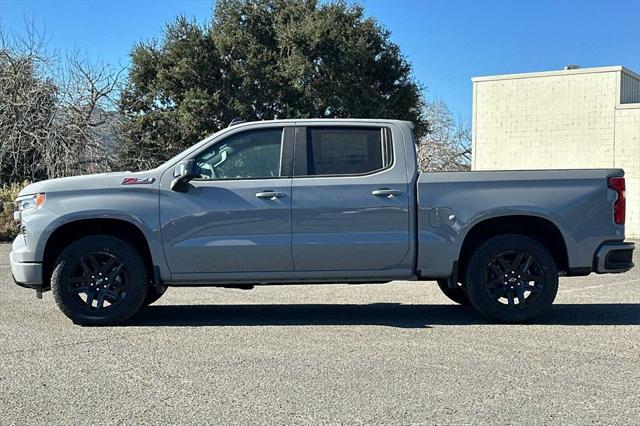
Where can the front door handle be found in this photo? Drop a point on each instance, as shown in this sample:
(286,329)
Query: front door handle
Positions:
(270,195)
(386,192)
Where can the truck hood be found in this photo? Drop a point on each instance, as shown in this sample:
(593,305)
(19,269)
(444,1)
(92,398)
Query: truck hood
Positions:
(95,181)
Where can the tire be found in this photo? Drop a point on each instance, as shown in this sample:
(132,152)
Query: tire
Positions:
(511,268)
(99,280)
(457,294)
(153,294)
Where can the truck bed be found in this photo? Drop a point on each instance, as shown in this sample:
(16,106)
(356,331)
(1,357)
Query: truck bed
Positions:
(577,202)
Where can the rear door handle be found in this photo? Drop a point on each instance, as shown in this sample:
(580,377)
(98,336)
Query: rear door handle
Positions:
(270,195)
(385,192)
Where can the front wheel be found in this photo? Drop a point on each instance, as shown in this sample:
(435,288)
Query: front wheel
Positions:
(511,278)
(99,280)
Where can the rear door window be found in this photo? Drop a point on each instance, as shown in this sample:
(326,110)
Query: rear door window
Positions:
(344,151)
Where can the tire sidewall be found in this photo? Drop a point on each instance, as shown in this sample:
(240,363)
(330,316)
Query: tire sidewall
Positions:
(135,270)
(475,286)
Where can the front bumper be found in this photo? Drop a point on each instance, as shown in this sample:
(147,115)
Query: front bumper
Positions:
(614,258)
(26,274)
(25,268)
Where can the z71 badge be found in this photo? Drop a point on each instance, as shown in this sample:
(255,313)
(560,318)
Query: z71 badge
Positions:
(137,181)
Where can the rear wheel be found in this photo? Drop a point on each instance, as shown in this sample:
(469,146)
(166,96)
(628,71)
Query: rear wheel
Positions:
(99,280)
(457,293)
(511,278)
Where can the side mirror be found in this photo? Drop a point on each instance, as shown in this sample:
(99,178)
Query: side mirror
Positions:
(182,174)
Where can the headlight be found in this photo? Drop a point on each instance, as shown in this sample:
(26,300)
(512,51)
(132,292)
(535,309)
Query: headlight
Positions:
(31,201)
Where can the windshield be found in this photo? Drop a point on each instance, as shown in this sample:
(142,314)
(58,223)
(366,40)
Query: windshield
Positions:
(184,153)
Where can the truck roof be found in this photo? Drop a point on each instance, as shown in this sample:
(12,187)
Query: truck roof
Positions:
(326,120)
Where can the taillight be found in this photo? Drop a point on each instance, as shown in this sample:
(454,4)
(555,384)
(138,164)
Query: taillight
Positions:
(619,206)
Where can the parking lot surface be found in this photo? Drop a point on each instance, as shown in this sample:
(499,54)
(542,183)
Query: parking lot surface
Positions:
(392,353)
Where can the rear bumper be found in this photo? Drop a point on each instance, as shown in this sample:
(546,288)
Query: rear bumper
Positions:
(614,258)
(26,274)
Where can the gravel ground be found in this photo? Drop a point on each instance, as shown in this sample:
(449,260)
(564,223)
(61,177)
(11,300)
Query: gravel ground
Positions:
(394,353)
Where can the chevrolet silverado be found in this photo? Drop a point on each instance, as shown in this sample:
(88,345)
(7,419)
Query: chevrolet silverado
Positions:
(316,201)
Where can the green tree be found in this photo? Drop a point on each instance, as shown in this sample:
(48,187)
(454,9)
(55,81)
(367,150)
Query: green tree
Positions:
(260,60)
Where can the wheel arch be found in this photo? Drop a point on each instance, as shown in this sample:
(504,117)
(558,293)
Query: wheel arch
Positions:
(539,228)
(73,230)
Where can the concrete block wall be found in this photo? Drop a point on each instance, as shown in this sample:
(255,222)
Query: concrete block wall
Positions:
(627,156)
(559,119)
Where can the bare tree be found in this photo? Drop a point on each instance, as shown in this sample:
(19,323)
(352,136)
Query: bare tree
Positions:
(54,113)
(447,144)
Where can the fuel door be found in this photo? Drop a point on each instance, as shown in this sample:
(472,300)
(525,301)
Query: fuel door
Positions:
(442,217)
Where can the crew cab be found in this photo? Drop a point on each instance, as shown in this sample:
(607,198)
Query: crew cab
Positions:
(316,201)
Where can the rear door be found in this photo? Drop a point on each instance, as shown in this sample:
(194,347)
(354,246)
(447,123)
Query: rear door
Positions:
(350,207)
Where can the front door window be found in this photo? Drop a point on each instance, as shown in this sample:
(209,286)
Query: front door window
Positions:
(247,155)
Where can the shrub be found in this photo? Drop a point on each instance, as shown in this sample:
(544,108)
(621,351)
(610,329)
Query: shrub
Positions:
(8,194)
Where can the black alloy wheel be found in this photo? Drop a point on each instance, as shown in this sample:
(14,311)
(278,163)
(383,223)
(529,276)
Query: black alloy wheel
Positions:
(514,278)
(511,278)
(99,280)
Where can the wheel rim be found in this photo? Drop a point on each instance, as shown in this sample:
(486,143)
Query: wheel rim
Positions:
(514,279)
(98,281)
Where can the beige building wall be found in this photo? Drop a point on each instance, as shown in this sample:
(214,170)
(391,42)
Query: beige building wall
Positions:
(582,118)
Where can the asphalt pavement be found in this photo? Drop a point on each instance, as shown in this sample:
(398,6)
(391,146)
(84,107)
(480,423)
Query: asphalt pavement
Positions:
(386,353)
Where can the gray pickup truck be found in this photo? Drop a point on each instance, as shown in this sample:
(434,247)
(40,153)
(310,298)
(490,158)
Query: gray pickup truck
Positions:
(316,201)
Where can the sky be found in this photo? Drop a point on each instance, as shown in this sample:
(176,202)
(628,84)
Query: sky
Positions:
(448,42)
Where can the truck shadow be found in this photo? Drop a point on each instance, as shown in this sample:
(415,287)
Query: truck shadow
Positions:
(383,314)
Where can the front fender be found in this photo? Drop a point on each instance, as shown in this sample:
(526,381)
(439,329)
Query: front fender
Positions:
(150,235)
(136,206)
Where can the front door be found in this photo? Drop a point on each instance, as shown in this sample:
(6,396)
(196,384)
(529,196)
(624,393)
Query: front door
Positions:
(236,217)
(350,199)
